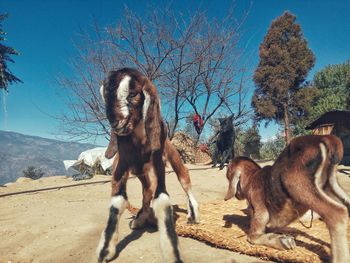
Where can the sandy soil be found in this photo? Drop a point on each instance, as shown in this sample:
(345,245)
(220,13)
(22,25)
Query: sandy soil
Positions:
(64,225)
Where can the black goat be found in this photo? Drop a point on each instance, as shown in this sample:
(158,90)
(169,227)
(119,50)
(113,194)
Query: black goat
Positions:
(223,148)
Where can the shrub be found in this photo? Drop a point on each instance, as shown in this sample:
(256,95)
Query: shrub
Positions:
(272,148)
(33,173)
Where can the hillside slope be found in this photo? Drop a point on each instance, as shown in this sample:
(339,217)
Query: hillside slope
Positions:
(18,151)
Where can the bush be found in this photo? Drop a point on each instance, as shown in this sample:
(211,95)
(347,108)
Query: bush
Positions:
(248,142)
(252,144)
(272,148)
(33,173)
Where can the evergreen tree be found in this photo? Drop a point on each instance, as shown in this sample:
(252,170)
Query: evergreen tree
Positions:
(6,76)
(333,76)
(333,85)
(303,108)
(285,61)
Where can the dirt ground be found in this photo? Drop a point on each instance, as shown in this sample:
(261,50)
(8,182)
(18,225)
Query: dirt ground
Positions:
(64,225)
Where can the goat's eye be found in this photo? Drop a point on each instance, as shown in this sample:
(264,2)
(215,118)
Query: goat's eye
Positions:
(133,95)
(134,98)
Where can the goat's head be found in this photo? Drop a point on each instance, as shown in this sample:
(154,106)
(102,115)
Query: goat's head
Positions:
(240,168)
(130,99)
(226,123)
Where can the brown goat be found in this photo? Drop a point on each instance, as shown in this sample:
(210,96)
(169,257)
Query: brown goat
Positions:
(303,177)
(140,135)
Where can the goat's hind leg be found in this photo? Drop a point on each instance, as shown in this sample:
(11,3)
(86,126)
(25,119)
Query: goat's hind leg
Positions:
(184,178)
(215,156)
(106,249)
(335,215)
(227,155)
(337,223)
(146,215)
(339,193)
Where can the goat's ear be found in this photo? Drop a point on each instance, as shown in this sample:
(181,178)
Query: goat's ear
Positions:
(151,115)
(233,183)
(102,92)
(232,117)
(112,148)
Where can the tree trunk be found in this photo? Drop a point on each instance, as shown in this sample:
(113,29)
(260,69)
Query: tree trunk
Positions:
(172,131)
(286,125)
(197,140)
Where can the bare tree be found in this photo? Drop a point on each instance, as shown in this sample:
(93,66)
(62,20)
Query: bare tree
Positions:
(193,60)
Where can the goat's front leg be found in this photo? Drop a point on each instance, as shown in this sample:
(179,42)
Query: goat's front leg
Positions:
(119,201)
(258,236)
(163,211)
(146,215)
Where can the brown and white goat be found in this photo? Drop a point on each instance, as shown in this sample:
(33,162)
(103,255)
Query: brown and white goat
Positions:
(303,177)
(139,134)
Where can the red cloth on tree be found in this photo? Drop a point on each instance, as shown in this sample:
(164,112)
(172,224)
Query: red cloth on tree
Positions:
(198,123)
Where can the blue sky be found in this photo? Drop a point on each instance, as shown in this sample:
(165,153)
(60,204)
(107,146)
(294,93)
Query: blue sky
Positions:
(44,32)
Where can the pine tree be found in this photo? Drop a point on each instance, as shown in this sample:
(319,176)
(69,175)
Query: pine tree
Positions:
(285,61)
(6,76)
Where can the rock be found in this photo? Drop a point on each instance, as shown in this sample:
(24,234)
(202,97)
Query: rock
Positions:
(23,180)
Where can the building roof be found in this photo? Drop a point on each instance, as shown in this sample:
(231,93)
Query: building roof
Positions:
(333,118)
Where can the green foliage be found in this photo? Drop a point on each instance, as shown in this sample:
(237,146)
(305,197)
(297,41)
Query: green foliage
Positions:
(329,90)
(33,173)
(248,142)
(285,61)
(239,142)
(333,83)
(329,99)
(272,148)
(333,76)
(6,76)
(303,107)
(251,142)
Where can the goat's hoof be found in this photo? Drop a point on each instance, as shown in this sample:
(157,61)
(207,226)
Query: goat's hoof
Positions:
(143,220)
(192,219)
(138,223)
(106,257)
(287,242)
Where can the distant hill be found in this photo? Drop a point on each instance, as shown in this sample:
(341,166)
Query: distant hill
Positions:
(18,151)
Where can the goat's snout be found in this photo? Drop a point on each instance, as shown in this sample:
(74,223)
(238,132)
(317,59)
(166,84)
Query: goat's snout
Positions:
(120,127)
